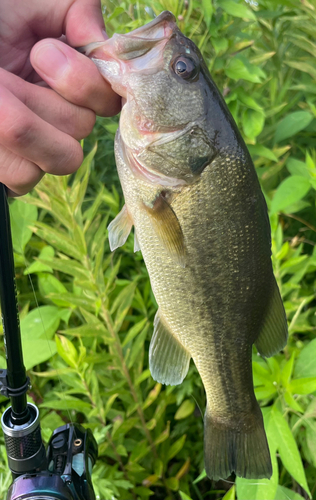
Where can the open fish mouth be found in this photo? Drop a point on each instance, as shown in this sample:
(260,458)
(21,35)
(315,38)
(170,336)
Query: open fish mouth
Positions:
(139,50)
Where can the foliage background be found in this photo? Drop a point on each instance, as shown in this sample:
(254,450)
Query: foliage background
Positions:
(86,335)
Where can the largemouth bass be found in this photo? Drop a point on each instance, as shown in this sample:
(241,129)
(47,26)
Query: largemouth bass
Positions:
(201,222)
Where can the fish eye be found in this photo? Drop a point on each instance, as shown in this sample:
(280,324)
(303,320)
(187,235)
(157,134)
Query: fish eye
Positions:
(186,68)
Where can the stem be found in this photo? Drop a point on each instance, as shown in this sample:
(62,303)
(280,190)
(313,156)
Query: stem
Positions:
(108,435)
(307,224)
(119,351)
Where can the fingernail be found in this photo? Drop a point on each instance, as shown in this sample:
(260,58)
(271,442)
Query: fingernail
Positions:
(50,60)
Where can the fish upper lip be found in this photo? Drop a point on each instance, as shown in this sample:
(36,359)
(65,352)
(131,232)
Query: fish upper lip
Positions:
(165,16)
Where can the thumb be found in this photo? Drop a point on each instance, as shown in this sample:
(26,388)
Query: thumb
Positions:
(84,23)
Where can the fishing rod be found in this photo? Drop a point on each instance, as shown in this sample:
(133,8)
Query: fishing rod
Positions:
(63,472)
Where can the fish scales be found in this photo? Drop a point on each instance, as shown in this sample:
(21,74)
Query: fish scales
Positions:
(210,297)
(201,221)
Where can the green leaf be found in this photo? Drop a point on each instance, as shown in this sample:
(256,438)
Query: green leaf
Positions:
(186,409)
(90,330)
(207,11)
(135,330)
(288,450)
(292,124)
(186,497)
(303,385)
(152,396)
(286,494)
(253,123)
(139,451)
(176,447)
(47,284)
(41,322)
(291,401)
(172,483)
(230,495)
(72,300)
(58,239)
(67,266)
(297,167)
(200,477)
(305,365)
(137,347)
(37,351)
(240,68)
(311,439)
(22,215)
(287,370)
(291,190)
(66,404)
(67,351)
(303,66)
(259,150)
(122,304)
(36,267)
(237,9)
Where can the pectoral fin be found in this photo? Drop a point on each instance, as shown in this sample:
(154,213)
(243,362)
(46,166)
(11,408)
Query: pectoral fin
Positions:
(273,335)
(168,359)
(167,228)
(119,229)
(136,242)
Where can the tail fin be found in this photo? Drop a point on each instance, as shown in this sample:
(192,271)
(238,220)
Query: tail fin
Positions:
(243,451)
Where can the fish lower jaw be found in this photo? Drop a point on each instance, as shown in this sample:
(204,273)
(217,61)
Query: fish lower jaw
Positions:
(143,172)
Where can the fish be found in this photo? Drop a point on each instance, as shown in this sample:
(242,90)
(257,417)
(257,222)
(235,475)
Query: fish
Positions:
(200,219)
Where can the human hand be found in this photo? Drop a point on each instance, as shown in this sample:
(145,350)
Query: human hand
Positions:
(40,126)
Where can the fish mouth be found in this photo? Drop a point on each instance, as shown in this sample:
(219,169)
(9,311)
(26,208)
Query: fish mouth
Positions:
(136,43)
(139,50)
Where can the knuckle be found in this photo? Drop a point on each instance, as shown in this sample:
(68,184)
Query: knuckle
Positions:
(20,132)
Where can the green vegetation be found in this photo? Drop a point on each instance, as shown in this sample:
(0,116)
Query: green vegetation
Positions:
(86,344)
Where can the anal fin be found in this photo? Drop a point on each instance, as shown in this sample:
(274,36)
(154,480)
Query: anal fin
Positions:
(119,229)
(167,227)
(273,335)
(168,360)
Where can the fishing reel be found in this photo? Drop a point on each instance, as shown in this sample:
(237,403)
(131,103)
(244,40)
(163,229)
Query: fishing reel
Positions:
(64,471)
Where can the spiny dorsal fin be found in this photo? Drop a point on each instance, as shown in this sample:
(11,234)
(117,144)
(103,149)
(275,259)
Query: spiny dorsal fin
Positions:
(119,229)
(168,360)
(167,228)
(273,335)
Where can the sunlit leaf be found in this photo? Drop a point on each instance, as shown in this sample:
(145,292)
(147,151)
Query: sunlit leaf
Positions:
(237,9)
(22,216)
(290,191)
(292,124)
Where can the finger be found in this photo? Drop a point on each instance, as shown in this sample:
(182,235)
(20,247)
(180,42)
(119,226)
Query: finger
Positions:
(18,174)
(84,23)
(50,106)
(74,76)
(27,135)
